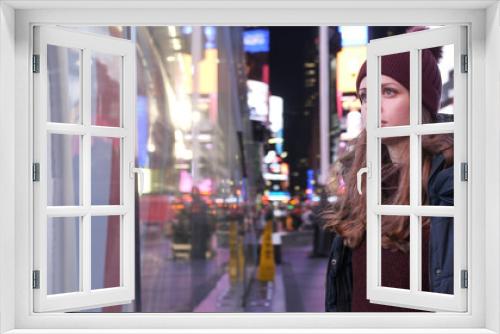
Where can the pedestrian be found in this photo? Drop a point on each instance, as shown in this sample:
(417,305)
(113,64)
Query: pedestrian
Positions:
(346,274)
(198,216)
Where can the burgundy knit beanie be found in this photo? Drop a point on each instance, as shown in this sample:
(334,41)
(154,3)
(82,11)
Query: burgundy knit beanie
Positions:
(397,66)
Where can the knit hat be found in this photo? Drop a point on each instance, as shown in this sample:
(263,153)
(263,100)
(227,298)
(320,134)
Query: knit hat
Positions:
(397,66)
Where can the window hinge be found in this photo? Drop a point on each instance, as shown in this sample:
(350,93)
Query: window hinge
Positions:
(36,172)
(36,279)
(36,63)
(465,279)
(464,171)
(465,64)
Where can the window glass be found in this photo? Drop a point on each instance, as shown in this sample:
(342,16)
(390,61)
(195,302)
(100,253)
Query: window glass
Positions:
(395,254)
(437,236)
(106,161)
(63,170)
(442,85)
(437,168)
(227,149)
(63,255)
(64,84)
(395,171)
(106,89)
(394,89)
(106,249)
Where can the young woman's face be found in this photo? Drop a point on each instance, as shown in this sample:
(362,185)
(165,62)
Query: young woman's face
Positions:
(394,102)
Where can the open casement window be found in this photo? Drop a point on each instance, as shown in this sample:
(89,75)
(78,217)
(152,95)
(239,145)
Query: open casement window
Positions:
(423,215)
(84,113)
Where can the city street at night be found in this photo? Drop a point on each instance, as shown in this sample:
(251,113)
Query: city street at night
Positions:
(246,164)
(171,285)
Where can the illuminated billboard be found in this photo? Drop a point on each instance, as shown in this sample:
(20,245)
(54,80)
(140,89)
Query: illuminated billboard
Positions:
(258,100)
(276,113)
(256,40)
(349,60)
(354,35)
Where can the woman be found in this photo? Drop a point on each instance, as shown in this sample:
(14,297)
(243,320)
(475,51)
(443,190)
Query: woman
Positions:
(346,276)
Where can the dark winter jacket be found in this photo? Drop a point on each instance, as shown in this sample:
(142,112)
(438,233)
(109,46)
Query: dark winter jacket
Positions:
(339,272)
(441,229)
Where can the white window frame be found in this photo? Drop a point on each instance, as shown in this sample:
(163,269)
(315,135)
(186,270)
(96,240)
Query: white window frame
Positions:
(16,18)
(414,297)
(87,44)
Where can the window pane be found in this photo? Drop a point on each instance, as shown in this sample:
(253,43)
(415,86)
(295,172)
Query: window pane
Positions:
(106,175)
(64,88)
(63,255)
(395,251)
(437,84)
(395,171)
(106,89)
(105,251)
(437,169)
(437,254)
(395,90)
(63,170)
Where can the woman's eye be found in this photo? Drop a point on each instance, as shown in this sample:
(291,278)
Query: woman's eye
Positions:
(388,92)
(362,98)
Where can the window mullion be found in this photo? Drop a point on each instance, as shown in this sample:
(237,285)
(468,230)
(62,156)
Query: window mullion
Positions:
(415,254)
(421,210)
(86,175)
(373,177)
(127,221)
(420,129)
(415,172)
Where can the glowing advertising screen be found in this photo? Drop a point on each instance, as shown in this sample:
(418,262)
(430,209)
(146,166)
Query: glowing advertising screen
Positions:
(310,184)
(349,60)
(256,40)
(258,100)
(276,113)
(354,35)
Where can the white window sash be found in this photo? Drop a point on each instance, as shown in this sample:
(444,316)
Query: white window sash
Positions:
(85,297)
(414,298)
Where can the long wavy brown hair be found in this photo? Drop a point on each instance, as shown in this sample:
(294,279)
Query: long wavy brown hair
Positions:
(347,216)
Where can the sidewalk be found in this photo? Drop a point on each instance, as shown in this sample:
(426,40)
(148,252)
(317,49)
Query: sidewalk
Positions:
(203,285)
(170,285)
(299,284)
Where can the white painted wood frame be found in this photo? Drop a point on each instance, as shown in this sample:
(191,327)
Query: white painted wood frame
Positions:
(16,20)
(86,44)
(414,43)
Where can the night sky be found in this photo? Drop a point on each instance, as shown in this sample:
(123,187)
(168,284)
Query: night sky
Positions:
(289,49)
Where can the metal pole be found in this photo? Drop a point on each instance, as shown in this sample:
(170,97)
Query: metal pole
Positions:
(196,56)
(324,105)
